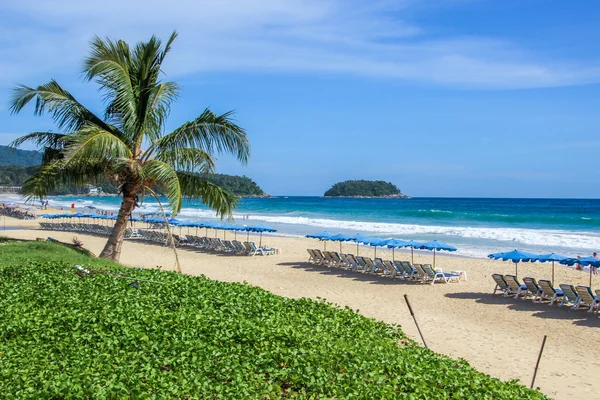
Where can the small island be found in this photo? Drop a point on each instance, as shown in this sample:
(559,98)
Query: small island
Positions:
(365,188)
(241,186)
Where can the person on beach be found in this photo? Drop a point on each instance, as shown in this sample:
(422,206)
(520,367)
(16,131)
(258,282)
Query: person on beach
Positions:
(593,267)
(47,204)
(73,208)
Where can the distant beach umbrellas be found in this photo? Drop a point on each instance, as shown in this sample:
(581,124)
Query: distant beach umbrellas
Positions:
(552,257)
(323,235)
(436,246)
(515,256)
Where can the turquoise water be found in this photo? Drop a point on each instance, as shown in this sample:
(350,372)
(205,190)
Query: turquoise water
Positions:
(475,226)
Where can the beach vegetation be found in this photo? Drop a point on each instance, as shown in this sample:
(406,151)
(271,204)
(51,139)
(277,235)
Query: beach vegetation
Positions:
(111,332)
(127,144)
(363,188)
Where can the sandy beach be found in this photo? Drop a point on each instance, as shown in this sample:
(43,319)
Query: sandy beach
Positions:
(499,336)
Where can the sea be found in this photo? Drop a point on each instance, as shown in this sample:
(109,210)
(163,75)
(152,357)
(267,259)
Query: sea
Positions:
(476,226)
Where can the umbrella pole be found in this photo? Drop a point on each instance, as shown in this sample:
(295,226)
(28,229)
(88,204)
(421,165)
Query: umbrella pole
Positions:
(248,237)
(516,270)
(434,257)
(591,277)
(412,255)
(340,247)
(552,272)
(375,256)
(393,255)
(357,249)
(260,241)
(324,245)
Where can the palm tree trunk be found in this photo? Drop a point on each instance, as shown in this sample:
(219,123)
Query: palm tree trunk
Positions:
(112,249)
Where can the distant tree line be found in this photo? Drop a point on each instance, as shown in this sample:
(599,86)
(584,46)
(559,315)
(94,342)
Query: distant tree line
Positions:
(12,175)
(363,188)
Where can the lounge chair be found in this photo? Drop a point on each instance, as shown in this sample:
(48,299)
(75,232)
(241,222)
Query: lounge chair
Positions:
(337,259)
(587,299)
(533,289)
(352,263)
(379,266)
(514,287)
(570,296)
(393,271)
(371,267)
(420,274)
(311,256)
(439,276)
(263,251)
(320,257)
(409,271)
(362,264)
(548,293)
(500,284)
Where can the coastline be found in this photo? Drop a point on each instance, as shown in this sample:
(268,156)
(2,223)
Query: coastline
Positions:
(459,319)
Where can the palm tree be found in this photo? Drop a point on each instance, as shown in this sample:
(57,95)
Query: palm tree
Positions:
(128,144)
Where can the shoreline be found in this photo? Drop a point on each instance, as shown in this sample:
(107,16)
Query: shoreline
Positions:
(458,319)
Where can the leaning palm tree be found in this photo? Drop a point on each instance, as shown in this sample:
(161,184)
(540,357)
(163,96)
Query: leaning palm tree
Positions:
(128,144)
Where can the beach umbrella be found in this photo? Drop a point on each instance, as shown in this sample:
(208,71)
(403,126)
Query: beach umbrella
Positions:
(394,244)
(370,240)
(413,245)
(321,236)
(436,246)
(515,256)
(260,229)
(585,261)
(340,237)
(551,257)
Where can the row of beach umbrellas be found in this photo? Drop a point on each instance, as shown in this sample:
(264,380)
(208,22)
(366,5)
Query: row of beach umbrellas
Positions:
(174,222)
(517,256)
(376,241)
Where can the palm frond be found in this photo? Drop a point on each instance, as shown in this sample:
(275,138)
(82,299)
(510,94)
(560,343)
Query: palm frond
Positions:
(188,159)
(110,64)
(209,132)
(158,173)
(68,114)
(56,174)
(94,142)
(41,139)
(215,197)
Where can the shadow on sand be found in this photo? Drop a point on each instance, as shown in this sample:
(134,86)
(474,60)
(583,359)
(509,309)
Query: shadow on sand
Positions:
(543,310)
(342,273)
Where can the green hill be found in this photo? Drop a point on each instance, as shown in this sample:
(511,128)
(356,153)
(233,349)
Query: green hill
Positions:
(364,188)
(22,158)
(123,333)
(238,185)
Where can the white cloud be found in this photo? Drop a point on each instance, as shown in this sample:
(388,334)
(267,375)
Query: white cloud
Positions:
(351,37)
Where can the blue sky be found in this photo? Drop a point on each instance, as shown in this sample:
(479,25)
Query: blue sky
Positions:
(443,98)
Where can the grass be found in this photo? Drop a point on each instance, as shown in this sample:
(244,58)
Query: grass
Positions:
(67,336)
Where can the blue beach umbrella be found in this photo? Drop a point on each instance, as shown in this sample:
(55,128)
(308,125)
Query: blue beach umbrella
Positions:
(260,229)
(413,245)
(323,235)
(371,241)
(551,257)
(340,237)
(436,246)
(394,244)
(515,256)
(592,262)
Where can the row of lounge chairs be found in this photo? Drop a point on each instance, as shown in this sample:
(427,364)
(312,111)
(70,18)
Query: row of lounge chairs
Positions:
(206,243)
(227,246)
(575,297)
(94,229)
(422,273)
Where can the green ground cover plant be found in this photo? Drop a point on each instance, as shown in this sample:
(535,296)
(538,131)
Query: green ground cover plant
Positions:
(63,335)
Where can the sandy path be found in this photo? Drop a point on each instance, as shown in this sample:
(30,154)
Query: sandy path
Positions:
(496,335)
